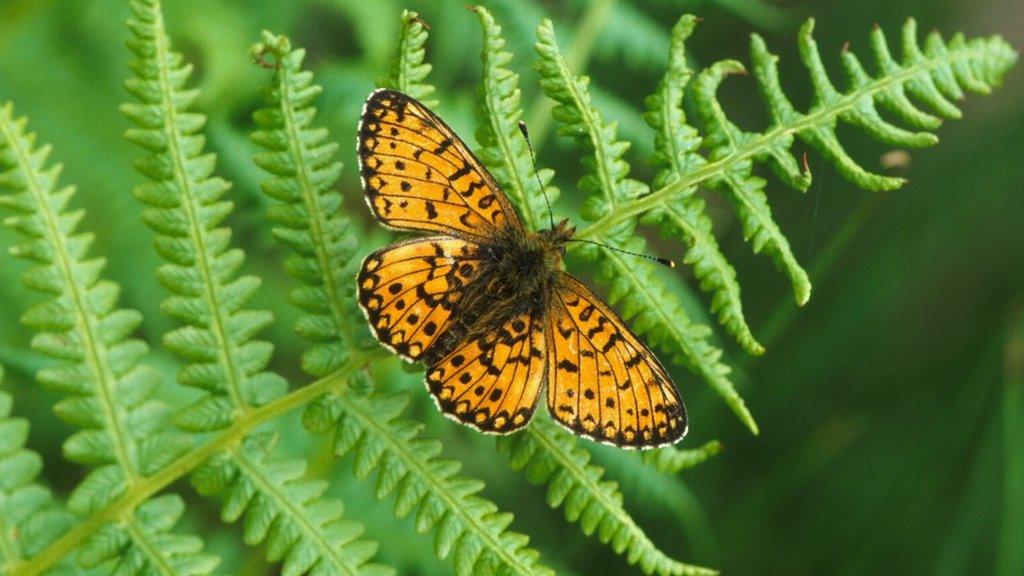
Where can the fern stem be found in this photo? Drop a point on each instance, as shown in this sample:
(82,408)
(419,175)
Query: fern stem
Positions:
(438,488)
(146,487)
(86,322)
(543,434)
(764,142)
(197,231)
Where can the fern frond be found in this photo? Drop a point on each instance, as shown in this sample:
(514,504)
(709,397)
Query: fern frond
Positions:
(935,75)
(302,529)
(672,460)
(549,455)
(468,527)
(185,210)
(30,518)
(98,367)
(143,545)
(301,160)
(110,392)
(658,312)
(408,71)
(676,153)
(502,146)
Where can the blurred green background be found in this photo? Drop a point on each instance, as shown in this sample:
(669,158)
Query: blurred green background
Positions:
(892,422)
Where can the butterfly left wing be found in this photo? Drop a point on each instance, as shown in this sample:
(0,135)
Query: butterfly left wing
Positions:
(492,382)
(418,175)
(408,290)
(603,382)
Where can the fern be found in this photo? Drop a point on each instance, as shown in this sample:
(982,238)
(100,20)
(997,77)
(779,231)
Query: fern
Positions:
(672,460)
(408,70)
(30,519)
(932,75)
(303,171)
(656,311)
(502,146)
(185,211)
(109,392)
(550,455)
(542,446)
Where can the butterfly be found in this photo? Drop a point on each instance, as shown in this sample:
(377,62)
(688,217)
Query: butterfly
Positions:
(484,303)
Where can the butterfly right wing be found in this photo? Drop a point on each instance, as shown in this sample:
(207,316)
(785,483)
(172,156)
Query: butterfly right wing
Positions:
(409,289)
(419,175)
(603,382)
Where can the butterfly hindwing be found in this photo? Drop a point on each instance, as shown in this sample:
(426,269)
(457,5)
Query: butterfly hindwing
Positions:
(410,289)
(492,382)
(418,175)
(603,382)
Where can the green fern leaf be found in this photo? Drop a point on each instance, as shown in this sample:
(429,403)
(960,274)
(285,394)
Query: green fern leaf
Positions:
(408,71)
(548,454)
(672,460)
(143,545)
(502,146)
(110,393)
(301,160)
(30,518)
(466,526)
(658,312)
(676,153)
(302,529)
(186,207)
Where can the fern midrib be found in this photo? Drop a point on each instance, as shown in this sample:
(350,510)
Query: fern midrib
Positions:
(587,118)
(698,236)
(764,141)
(438,488)
(403,50)
(312,200)
(156,559)
(593,488)
(296,513)
(105,379)
(147,486)
(198,233)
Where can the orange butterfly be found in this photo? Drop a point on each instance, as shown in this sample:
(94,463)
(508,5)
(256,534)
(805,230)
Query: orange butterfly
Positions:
(485,305)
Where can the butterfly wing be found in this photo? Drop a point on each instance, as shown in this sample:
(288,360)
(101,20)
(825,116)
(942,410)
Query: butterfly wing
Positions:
(492,382)
(408,290)
(603,382)
(418,175)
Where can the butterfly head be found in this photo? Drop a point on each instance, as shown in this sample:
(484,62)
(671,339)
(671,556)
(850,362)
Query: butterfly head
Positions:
(558,236)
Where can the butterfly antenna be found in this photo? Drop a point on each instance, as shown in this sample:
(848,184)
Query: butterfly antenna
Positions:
(658,259)
(533,159)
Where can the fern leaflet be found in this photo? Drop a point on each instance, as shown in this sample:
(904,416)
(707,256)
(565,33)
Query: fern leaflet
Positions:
(671,460)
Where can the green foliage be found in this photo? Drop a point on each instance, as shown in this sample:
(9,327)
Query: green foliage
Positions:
(503,148)
(185,209)
(408,70)
(92,354)
(30,519)
(109,392)
(656,312)
(548,454)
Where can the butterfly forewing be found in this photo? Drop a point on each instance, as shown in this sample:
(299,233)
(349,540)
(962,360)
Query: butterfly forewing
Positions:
(493,382)
(410,289)
(603,382)
(418,175)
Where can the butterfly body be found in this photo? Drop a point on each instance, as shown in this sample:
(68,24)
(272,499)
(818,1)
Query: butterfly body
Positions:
(486,304)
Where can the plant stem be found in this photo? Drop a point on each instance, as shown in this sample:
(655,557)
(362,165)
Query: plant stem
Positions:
(146,487)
